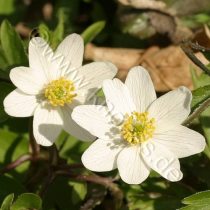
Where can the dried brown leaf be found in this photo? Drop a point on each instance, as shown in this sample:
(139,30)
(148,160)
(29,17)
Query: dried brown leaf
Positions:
(169,67)
(151,4)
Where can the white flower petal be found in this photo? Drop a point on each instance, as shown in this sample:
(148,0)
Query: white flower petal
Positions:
(80,99)
(19,104)
(93,75)
(131,165)
(171,108)
(141,88)
(43,60)
(101,156)
(181,141)
(73,128)
(162,160)
(118,98)
(95,119)
(47,124)
(26,80)
(72,48)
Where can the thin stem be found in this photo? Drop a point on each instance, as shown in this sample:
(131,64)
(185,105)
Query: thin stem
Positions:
(54,155)
(49,180)
(34,147)
(96,197)
(106,182)
(22,159)
(197,112)
(53,163)
(187,47)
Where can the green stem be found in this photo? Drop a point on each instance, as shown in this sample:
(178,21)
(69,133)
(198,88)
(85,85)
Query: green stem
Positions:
(197,112)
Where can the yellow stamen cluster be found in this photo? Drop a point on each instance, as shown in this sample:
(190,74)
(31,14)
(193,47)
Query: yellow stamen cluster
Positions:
(60,92)
(138,128)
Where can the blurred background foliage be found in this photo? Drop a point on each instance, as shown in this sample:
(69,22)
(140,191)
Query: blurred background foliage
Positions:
(106,23)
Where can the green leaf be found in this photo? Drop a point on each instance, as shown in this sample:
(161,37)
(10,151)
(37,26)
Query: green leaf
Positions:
(205,123)
(200,80)
(12,45)
(79,192)
(5,89)
(58,33)
(13,144)
(27,201)
(195,207)
(7,202)
(197,201)
(199,96)
(154,195)
(7,7)
(207,55)
(3,61)
(10,185)
(198,198)
(4,75)
(55,195)
(53,37)
(71,148)
(70,11)
(45,32)
(92,31)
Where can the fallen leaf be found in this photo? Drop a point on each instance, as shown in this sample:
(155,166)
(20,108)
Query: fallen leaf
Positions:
(169,67)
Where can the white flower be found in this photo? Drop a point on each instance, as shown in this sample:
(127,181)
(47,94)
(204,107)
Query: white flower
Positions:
(53,85)
(138,132)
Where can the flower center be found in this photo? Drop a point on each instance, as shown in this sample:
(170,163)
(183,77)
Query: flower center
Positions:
(138,128)
(60,92)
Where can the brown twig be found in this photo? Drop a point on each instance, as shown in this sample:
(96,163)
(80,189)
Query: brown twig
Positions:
(22,159)
(54,162)
(197,112)
(187,47)
(105,181)
(95,199)
(49,180)
(34,148)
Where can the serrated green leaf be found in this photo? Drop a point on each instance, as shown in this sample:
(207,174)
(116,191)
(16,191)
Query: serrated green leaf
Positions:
(196,207)
(5,89)
(92,31)
(200,80)
(27,201)
(197,201)
(197,198)
(205,123)
(199,96)
(12,45)
(7,202)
